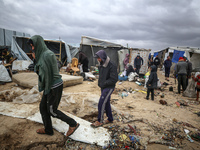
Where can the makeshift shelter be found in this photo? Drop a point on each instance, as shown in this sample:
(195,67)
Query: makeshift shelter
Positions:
(192,54)
(144,53)
(17,43)
(91,45)
(61,50)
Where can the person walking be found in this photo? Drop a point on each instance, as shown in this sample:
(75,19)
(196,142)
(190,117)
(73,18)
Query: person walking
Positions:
(181,71)
(167,65)
(50,82)
(156,62)
(108,77)
(152,82)
(138,62)
(83,60)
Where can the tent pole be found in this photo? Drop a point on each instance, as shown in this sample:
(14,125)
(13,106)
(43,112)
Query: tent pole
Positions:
(93,55)
(60,51)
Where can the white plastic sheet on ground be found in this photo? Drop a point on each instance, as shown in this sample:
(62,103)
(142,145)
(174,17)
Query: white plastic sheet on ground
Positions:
(21,64)
(85,133)
(4,75)
(18,95)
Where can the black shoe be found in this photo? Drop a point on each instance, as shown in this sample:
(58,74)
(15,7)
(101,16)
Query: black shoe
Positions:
(152,99)
(147,98)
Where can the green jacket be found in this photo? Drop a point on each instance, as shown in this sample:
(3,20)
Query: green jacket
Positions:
(46,65)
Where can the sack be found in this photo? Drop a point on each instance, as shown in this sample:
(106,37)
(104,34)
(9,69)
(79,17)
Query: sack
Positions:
(190,90)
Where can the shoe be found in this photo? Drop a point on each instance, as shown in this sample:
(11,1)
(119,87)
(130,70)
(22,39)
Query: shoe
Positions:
(107,122)
(42,131)
(96,124)
(147,98)
(72,130)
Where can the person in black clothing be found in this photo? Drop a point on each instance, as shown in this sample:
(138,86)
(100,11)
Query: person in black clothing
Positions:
(138,62)
(129,69)
(167,65)
(150,63)
(108,77)
(83,59)
(156,62)
(152,82)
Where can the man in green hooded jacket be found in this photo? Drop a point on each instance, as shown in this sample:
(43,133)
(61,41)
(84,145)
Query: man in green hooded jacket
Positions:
(50,82)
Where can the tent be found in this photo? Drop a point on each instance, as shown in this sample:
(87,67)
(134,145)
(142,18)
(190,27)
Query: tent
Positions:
(20,46)
(91,45)
(144,53)
(192,54)
(17,43)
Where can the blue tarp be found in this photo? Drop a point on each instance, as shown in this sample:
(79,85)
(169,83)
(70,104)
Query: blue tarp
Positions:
(177,54)
(155,54)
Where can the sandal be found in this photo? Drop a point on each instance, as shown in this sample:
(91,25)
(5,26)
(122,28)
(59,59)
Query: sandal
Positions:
(42,131)
(107,122)
(72,130)
(96,124)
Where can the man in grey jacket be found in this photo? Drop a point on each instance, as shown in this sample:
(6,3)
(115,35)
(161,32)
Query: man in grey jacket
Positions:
(181,71)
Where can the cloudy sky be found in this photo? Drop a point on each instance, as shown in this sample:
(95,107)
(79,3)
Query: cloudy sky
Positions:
(154,24)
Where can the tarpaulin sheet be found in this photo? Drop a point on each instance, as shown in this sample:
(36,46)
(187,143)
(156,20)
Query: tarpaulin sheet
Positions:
(177,54)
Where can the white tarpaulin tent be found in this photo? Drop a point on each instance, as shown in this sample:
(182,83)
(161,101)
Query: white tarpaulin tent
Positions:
(144,53)
(91,45)
(192,54)
(4,75)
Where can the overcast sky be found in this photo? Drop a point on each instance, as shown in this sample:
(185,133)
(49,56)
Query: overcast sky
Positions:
(150,24)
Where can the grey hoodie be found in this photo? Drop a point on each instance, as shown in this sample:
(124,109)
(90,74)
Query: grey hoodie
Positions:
(181,68)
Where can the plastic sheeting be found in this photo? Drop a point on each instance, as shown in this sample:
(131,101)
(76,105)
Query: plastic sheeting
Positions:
(4,75)
(85,133)
(85,40)
(144,54)
(7,35)
(122,55)
(190,90)
(21,64)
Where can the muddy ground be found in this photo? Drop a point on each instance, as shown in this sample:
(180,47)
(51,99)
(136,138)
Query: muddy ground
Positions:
(158,126)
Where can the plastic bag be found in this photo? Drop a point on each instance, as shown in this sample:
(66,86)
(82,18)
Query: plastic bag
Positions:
(190,90)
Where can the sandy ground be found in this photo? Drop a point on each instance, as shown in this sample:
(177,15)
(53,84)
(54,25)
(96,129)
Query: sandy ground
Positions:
(153,120)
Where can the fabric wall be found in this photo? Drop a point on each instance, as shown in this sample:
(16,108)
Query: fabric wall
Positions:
(91,50)
(122,55)
(144,54)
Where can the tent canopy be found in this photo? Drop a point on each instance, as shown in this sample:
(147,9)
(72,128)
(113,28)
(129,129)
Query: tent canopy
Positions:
(91,45)
(21,49)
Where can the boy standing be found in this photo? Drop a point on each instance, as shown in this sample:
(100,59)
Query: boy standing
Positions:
(152,82)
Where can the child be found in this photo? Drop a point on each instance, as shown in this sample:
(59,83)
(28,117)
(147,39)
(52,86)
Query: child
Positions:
(197,79)
(152,82)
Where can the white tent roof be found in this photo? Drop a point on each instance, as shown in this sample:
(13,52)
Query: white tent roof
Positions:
(85,40)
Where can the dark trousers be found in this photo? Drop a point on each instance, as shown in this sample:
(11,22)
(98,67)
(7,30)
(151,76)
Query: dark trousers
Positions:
(167,71)
(150,90)
(156,68)
(49,107)
(181,82)
(138,69)
(104,105)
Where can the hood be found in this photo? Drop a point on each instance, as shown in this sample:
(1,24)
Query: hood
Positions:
(39,46)
(153,68)
(102,54)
